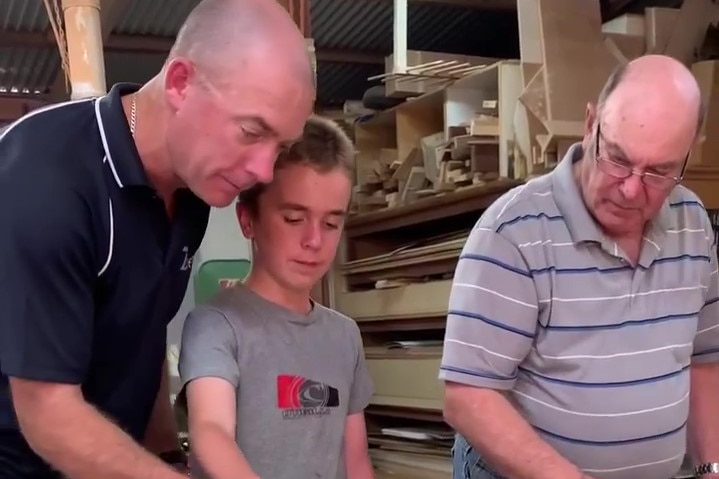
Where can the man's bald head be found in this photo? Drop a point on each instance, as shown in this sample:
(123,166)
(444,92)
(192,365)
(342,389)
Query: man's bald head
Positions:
(225,34)
(655,80)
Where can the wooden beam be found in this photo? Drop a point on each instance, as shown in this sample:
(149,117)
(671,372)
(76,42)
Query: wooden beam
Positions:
(162,45)
(110,13)
(299,10)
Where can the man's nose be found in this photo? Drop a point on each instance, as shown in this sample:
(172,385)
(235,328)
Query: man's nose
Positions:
(262,164)
(632,187)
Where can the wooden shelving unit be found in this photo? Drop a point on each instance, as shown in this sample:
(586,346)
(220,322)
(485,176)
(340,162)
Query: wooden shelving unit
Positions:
(426,170)
(394,279)
(400,249)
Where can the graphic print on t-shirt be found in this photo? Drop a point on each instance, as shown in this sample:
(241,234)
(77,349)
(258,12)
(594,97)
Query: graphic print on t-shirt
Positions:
(299,397)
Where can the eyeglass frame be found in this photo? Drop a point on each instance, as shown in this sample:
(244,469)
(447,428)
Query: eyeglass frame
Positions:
(599,159)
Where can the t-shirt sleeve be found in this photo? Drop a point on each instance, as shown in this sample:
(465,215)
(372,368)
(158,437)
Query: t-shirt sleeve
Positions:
(48,270)
(208,347)
(362,387)
(492,314)
(706,341)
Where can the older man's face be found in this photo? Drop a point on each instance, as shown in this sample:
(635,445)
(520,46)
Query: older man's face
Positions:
(637,156)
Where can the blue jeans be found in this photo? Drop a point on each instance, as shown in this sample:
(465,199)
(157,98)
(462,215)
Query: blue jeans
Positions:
(467,464)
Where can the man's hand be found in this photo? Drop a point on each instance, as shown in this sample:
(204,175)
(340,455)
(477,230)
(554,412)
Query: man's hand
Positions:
(491,425)
(703,430)
(75,438)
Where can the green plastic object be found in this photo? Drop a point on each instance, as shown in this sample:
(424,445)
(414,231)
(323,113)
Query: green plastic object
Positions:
(216,274)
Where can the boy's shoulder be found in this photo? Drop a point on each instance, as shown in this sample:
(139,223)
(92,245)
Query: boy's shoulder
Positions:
(335,318)
(238,305)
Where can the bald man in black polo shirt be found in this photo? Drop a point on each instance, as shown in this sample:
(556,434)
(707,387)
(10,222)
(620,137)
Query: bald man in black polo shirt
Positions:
(103,203)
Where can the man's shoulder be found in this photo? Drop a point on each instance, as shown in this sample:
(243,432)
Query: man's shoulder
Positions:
(533,199)
(52,122)
(687,209)
(58,139)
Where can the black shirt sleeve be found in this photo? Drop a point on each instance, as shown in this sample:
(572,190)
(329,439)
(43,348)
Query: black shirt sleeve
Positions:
(48,266)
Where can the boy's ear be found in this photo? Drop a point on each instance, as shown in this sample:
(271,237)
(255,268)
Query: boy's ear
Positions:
(244,218)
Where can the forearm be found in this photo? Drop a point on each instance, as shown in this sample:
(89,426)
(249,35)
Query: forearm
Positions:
(360,468)
(78,441)
(218,454)
(161,434)
(496,430)
(703,431)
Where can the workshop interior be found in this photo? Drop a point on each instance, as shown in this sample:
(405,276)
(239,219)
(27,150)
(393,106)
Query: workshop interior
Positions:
(450,103)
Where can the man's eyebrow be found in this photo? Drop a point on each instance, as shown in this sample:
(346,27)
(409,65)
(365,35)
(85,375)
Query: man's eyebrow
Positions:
(615,148)
(258,121)
(266,128)
(619,152)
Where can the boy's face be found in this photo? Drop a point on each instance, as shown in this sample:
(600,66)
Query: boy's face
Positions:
(298,225)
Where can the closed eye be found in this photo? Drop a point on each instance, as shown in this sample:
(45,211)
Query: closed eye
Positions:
(250,135)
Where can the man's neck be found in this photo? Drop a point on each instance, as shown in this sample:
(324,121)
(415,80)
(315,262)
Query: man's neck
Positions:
(150,126)
(266,287)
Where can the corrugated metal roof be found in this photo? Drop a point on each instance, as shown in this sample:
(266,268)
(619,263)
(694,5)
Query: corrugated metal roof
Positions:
(360,25)
(27,70)
(23,15)
(156,17)
(351,24)
(367,26)
(131,67)
(338,82)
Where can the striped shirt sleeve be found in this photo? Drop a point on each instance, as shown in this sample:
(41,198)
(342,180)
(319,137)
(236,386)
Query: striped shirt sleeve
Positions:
(492,315)
(706,341)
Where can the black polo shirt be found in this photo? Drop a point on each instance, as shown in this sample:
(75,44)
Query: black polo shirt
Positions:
(91,268)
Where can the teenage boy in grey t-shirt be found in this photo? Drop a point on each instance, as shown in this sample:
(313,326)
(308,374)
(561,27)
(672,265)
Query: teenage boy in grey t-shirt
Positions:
(276,384)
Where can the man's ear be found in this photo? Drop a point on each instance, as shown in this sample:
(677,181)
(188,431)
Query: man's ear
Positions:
(589,126)
(245,220)
(178,75)
(590,115)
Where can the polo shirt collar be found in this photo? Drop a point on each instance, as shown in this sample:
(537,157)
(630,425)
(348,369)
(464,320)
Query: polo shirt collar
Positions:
(582,226)
(120,152)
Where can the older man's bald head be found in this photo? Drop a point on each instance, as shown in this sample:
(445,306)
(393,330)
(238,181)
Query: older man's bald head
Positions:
(221,35)
(656,82)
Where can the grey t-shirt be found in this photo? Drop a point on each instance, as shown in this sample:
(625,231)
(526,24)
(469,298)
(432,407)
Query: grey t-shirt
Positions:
(297,379)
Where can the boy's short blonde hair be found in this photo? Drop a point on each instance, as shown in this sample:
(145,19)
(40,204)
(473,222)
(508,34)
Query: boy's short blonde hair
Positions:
(324,146)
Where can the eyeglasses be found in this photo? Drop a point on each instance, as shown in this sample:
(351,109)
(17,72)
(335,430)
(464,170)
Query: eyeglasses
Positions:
(622,171)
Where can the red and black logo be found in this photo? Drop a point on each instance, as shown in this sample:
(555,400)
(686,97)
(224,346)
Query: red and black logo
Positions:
(298,396)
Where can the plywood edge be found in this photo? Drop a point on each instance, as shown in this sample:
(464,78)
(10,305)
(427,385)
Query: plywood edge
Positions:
(416,300)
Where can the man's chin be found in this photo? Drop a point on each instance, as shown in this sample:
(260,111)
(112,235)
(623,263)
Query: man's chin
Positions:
(616,225)
(216,199)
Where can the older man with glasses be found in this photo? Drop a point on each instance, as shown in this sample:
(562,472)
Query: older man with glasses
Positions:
(584,304)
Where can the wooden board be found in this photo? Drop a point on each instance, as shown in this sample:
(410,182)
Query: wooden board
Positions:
(576,62)
(411,383)
(415,300)
(689,29)
(658,27)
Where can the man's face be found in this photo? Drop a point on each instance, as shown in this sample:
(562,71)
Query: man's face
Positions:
(225,136)
(298,224)
(621,202)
